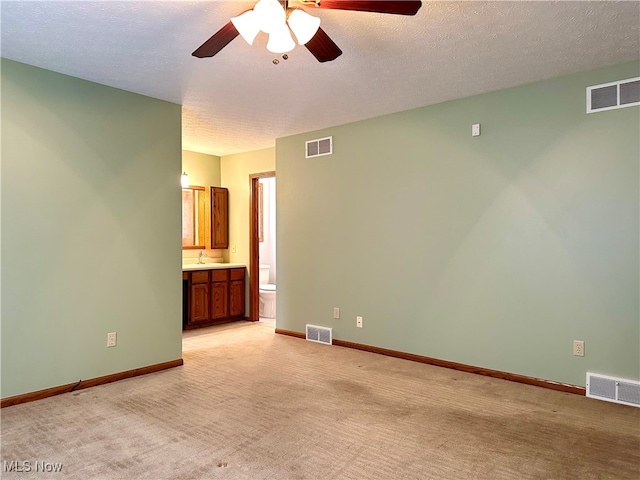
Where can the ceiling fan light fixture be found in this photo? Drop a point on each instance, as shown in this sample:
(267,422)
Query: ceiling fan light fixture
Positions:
(280,40)
(277,20)
(270,14)
(303,25)
(247,25)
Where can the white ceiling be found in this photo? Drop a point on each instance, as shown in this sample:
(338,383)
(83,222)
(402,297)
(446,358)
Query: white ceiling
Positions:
(240,101)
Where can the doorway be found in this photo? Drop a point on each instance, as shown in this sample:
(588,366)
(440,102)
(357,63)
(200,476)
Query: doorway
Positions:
(255,217)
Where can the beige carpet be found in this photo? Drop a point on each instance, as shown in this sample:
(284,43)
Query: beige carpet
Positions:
(249,404)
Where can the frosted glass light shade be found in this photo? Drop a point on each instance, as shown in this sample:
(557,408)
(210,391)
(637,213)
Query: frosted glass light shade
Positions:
(270,14)
(247,25)
(280,40)
(303,25)
(184,180)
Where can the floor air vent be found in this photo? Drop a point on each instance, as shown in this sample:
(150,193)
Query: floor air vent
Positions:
(611,389)
(319,147)
(607,96)
(319,334)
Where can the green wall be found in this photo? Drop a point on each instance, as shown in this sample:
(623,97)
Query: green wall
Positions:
(496,251)
(90,229)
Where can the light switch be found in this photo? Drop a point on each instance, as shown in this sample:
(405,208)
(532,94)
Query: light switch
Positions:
(475,130)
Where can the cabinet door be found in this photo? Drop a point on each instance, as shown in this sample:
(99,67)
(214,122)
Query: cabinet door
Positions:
(199,302)
(219,217)
(236,296)
(219,300)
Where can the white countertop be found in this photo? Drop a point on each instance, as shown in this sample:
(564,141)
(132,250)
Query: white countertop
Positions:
(187,267)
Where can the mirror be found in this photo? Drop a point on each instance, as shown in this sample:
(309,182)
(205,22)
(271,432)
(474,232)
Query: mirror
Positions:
(195,218)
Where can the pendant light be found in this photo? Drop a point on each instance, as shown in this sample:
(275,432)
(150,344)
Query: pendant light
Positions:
(280,40)
(303,25)
(270,14)
(247,25)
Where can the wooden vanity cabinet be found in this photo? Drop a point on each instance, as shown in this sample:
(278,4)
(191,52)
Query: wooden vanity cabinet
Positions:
(219,294)
(219,217)
(199,297)
(236,292)
(215,296)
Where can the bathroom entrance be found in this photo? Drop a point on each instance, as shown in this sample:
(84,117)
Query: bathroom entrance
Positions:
(262,263)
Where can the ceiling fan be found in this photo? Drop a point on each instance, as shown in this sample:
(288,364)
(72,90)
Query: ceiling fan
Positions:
(278,20)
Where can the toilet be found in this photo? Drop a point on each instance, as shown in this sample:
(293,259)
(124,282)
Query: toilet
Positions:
(267,294)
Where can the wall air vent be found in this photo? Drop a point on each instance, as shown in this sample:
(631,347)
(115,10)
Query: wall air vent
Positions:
(319,147)
(319,334)
(608,96)
(611,389)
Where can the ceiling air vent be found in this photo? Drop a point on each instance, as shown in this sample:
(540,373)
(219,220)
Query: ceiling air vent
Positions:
(319,147)
(620,94)
(612,389)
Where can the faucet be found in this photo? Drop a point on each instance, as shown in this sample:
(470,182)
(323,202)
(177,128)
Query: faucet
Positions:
(201,256)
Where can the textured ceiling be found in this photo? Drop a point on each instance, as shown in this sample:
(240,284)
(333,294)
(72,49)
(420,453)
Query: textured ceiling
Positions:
(239,101)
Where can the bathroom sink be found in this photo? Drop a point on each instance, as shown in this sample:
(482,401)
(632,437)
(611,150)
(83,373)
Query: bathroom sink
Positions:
(209,266)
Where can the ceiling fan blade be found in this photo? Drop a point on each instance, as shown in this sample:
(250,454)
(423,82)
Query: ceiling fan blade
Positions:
(217,42)
(398,7)
(322,47)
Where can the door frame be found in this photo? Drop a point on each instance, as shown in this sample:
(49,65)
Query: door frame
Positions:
(254,245)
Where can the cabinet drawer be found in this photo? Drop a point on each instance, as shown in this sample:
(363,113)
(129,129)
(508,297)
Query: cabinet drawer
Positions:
(200,277)
(221,275)
(237,274)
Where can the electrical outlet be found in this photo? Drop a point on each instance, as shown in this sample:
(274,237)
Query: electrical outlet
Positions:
(578,348)
(233,248)
(112,339)
(336,312)
(359,322)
